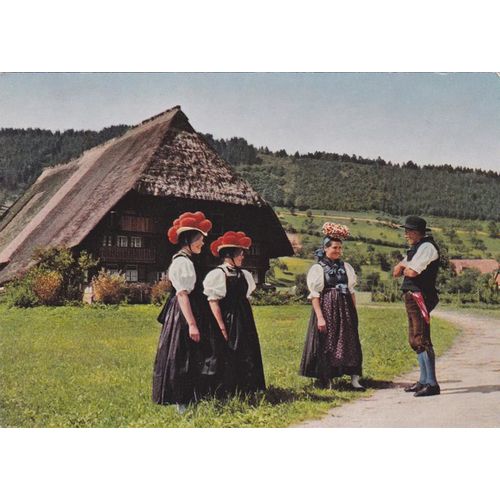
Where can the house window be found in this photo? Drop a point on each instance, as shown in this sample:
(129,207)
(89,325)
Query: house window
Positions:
(161,275)
(121,241)
(136,242)
(113,269)
(107,240)
(131,273)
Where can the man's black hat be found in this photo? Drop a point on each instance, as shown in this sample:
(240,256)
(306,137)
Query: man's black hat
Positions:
(415,223)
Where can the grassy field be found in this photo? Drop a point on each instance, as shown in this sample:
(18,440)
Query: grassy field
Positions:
(91,367)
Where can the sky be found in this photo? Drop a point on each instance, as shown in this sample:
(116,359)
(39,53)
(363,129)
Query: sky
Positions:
(429,118)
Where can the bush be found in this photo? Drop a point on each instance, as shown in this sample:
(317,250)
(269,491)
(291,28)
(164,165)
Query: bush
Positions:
(266,298)
(138,293)
(109,288)
(301,289)
(19,293)
(56,278)
(73,270)
(160,291)
(387,292)
(47,286)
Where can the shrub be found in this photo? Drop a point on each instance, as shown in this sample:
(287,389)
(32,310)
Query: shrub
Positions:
(109,288)
(160,291)
(57,277)
(47,285)
(301,289)
(19,293)
(265,298)
(137,293)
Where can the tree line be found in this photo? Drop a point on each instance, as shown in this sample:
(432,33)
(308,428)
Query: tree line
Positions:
(24,153)
(394,189)
(318,180)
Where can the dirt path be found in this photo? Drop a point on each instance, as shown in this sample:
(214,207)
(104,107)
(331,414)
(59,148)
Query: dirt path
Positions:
(469,376)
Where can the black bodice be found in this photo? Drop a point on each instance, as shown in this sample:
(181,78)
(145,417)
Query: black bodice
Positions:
(335,274)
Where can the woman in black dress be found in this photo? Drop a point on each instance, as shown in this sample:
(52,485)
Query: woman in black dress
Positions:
(228,288)
(180,362)
(332,346)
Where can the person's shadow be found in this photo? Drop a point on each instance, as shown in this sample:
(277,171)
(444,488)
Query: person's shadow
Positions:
(483,389)
(278,395)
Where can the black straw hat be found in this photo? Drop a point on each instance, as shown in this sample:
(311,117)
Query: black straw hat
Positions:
(415,223)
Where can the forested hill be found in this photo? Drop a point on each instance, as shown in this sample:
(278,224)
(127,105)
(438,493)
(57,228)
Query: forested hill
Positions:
(316,180)
(306,182)
(24,153)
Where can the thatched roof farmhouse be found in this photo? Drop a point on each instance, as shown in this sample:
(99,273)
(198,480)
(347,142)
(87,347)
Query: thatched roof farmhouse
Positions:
(118,199)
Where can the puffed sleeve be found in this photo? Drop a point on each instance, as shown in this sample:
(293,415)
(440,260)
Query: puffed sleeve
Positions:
(182,274)
(214,284)
(250,281)
(352,279)
(315,281)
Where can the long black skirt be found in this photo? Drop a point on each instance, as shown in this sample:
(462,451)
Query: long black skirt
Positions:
(243,370)
(179,360)
(337,351)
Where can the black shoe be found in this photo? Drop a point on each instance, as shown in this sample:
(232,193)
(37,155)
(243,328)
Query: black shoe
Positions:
(428,390)
(417,386)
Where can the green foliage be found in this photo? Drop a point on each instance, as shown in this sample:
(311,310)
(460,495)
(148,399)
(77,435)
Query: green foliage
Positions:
(340,182)
(270,298)
(301,289)
(19,293)
(91,367)
(493,229)
(57,278)
(26,152)
(235,150)
(137,293)
(371,281)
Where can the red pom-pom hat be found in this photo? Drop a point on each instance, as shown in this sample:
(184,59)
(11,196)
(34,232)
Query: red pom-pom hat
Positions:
(189,221)
(231,239)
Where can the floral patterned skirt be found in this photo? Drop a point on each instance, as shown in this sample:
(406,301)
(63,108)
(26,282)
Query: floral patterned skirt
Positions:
(337,351)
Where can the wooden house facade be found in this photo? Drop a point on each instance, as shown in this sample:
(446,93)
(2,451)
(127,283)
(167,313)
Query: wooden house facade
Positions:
(118,200)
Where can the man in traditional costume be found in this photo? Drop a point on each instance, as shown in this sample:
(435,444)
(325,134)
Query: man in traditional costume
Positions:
(419,269)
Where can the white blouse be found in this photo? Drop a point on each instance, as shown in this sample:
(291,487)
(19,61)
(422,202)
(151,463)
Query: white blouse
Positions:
(182,274)
(316,279)
(214,284)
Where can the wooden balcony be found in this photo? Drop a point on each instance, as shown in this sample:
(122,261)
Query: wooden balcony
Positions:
(137,224)
(128,255)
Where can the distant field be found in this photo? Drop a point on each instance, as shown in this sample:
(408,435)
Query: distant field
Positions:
(377,226)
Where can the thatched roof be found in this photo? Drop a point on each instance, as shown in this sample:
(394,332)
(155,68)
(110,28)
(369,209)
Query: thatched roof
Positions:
(163,156)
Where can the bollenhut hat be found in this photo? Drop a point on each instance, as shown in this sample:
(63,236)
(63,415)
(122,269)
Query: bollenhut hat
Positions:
(337,231)
(415,223)
(189,221)
(231,239)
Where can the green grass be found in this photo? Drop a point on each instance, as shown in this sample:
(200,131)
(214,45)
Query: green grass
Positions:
(86,367)
(365,224)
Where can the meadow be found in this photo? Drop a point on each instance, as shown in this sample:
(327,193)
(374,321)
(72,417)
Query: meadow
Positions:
(91,367)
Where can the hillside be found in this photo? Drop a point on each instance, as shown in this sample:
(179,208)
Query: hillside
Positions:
(24,153)
(323,181)
(377,244)
(306,182)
